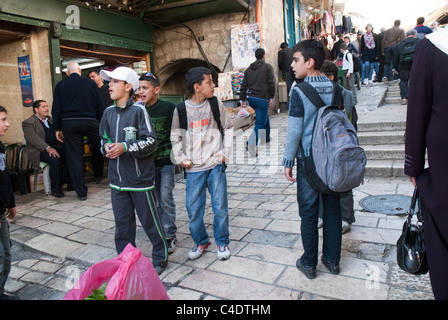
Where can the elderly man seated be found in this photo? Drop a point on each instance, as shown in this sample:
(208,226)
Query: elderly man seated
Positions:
(42,145)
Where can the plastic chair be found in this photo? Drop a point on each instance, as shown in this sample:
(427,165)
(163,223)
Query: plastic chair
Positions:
(46,175)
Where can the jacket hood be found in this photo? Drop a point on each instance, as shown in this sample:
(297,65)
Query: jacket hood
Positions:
(257,64)
(438,38)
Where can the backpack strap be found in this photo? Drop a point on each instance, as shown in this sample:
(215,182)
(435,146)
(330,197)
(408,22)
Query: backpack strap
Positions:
(310,92)
(216,114)
(182,112)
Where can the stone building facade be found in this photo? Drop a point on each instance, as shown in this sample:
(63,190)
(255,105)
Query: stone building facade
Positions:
(176,50)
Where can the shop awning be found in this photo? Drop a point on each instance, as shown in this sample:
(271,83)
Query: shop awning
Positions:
(169,12)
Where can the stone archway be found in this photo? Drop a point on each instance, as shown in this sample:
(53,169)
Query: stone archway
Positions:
(172,75)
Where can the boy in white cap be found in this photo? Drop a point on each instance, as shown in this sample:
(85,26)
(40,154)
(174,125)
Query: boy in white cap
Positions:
(128,139)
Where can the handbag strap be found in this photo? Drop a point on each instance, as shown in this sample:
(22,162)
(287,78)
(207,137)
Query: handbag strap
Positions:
(416,206)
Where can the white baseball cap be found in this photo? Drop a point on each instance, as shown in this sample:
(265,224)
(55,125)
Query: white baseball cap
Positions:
(122,73)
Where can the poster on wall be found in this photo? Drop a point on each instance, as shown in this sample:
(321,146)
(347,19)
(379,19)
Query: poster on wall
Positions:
(26,82)
(245,39)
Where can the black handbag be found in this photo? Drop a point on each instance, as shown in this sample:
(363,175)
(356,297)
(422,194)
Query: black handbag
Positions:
(411,251)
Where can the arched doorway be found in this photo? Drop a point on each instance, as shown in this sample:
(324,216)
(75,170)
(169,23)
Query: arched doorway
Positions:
(172,76)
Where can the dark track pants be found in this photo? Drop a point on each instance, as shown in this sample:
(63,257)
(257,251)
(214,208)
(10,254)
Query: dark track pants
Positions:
(143,202)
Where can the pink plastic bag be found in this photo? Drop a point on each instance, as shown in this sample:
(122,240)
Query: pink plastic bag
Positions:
(129,276)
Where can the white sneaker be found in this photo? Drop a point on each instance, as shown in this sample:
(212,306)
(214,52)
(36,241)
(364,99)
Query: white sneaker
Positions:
(404,101)
(346,226)
(223,253)
(197,251)
(320,223)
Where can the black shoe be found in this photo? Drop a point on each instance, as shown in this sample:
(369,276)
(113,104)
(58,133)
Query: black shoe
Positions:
(310,272)
(250,152)
(333,267)
(8,297)
(57,194)
(83,198)
(160,267)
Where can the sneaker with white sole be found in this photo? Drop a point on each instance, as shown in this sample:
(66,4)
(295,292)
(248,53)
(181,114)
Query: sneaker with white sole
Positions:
(197,251)
(171,243)
(223,253)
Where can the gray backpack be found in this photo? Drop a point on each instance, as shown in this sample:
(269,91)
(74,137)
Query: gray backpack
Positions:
(336,162)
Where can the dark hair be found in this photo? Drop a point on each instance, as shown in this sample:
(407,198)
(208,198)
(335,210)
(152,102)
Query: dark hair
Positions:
(36,104)
(3,109)
(420,20)
(311,49)
(151,77)
(397,23)
(329,68)
(343,46)
(259,53)
(97,71)
(284,45)
(195,75)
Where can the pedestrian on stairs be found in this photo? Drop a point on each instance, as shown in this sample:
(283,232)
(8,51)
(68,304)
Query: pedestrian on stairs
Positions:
(391,38)
(403,61)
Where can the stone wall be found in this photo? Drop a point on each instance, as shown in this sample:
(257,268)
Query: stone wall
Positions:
(175,50)
(36,46)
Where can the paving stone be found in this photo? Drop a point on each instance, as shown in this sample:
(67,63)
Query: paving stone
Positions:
(92,254)
(228,287)
(53,245)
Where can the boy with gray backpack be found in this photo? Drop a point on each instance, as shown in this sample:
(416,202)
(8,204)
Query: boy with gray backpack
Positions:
(314,169)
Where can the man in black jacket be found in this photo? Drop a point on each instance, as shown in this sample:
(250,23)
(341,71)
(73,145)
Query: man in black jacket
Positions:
(284,64)
(258,89)
(77,110)
(403,58)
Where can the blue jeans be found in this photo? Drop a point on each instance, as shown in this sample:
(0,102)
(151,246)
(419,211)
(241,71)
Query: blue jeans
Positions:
(5,250)
(388,62)
(308,200)
(216,182)
(369,68)
(262,124)
(164,186)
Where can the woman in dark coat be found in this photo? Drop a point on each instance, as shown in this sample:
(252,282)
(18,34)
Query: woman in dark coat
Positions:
(427,128)
(369,54)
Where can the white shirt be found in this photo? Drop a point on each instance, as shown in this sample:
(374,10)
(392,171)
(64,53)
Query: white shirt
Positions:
(347,65)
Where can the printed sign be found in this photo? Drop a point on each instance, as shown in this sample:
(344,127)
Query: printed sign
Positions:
(26,82)
(245,39)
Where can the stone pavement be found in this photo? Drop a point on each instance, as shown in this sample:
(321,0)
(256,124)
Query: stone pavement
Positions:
(56,239)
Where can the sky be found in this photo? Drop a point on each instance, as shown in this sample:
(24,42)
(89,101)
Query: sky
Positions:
(383,13)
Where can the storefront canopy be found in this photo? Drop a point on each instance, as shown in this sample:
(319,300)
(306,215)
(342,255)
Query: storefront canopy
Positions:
(169,12)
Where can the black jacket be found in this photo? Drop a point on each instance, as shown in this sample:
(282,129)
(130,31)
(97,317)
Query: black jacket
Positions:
(134,170)
(285,60)
(76,97)
(259,81)
(6,191)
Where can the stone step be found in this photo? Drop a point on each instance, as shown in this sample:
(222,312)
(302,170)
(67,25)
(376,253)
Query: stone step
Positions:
(381,126)
(392,100)
(381,137)
(385,168)
(392,94)
(384,151)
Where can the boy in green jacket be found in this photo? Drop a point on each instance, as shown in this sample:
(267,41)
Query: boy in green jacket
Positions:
(161,114)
